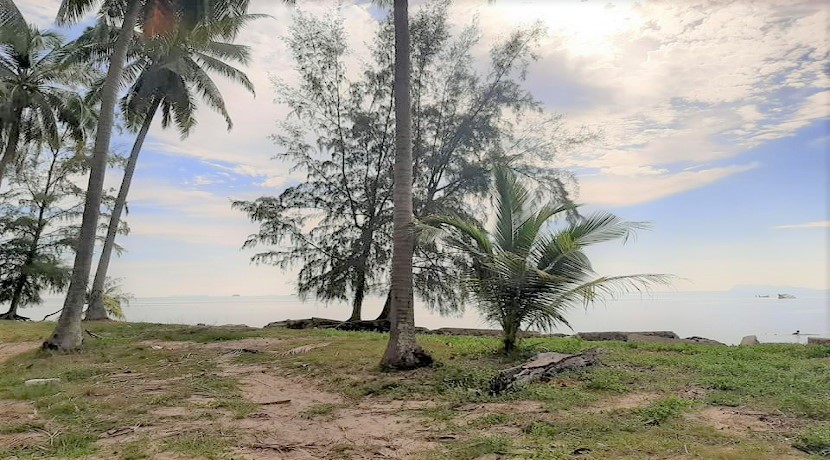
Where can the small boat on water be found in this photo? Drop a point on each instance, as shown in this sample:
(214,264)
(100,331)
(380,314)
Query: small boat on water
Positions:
(786,296)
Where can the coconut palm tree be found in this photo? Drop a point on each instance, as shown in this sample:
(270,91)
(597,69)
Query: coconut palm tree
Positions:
(402,351)
(524,276)
(35,71)
(158,18)
(173,68)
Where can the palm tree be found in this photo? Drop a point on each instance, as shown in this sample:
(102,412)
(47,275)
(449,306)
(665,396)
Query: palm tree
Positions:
(172,68)
(158,18)
(35,72)
(402,351)
(523,276)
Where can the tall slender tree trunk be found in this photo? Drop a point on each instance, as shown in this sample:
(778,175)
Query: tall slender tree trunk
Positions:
(96,310)
(10,152)
(403,352)
(67,335)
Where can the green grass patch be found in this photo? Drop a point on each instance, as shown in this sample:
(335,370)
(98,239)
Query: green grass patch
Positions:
(815,440)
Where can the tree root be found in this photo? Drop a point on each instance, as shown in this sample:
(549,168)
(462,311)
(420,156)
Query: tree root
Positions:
(13,317)
(543,368)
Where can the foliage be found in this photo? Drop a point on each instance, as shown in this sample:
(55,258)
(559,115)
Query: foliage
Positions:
(114,298)
(36,228)
(336,225)
(522,276)
(38,73)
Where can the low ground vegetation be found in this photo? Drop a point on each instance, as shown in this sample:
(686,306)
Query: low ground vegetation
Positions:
(165,391)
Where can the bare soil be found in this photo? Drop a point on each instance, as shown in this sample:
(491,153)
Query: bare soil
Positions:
(10,350)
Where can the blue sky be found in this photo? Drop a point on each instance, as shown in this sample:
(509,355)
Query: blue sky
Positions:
(715,122)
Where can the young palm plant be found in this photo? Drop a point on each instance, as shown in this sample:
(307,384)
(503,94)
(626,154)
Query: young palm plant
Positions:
(521,275)
(171,69)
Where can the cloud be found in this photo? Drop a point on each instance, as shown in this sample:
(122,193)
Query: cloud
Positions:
(816,224)
(674,85)
(40,12)
(626,190)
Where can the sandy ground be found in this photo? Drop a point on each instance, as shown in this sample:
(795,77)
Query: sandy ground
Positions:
(281,428)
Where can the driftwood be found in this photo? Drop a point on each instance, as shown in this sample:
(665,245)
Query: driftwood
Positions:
(544,367)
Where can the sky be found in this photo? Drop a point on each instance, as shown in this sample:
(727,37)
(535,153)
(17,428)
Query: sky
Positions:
(715,128)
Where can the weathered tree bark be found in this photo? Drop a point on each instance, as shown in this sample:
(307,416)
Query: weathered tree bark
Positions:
(403,352)
(387,307)
(68,333)
(10,152)
(96,310)
(544,367)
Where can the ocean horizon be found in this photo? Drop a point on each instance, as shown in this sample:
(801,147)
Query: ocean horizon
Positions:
(726,316)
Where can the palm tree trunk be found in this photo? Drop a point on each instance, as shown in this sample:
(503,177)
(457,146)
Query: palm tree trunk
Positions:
(403,352)
(67,335)
(96,310)
(10,152)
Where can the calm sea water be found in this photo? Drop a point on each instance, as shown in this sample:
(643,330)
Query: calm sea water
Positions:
(717,315)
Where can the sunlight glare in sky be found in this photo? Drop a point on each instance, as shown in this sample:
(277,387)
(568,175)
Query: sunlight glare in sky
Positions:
(585,28)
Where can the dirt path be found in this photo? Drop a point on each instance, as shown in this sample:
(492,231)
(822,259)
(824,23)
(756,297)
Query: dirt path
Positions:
(10,350)
(297,419)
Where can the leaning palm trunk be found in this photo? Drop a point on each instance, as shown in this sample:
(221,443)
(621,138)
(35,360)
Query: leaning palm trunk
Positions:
(67,335)
(96,310)
(403,352)
(10,152)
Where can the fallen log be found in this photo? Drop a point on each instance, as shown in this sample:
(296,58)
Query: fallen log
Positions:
(543,368)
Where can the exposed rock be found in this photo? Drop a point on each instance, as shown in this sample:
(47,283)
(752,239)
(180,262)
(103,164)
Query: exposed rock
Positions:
(623,336)
(478,332)
(32,382)
(703,340)
(640,338)
(323,323)
(750,340)
(818,341)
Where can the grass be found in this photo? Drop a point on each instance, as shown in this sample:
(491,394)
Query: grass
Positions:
(115,382)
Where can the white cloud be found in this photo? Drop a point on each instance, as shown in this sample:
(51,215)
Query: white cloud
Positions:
(816,224)
(624,190)
(675,84)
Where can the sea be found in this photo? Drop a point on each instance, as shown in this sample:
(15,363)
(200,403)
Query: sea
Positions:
(724,316)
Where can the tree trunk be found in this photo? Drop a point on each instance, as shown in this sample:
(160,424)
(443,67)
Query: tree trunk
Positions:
(510,330)
(402,352)
(387,306)
(10,152)
(67,335)
(96,310)
(359,294)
